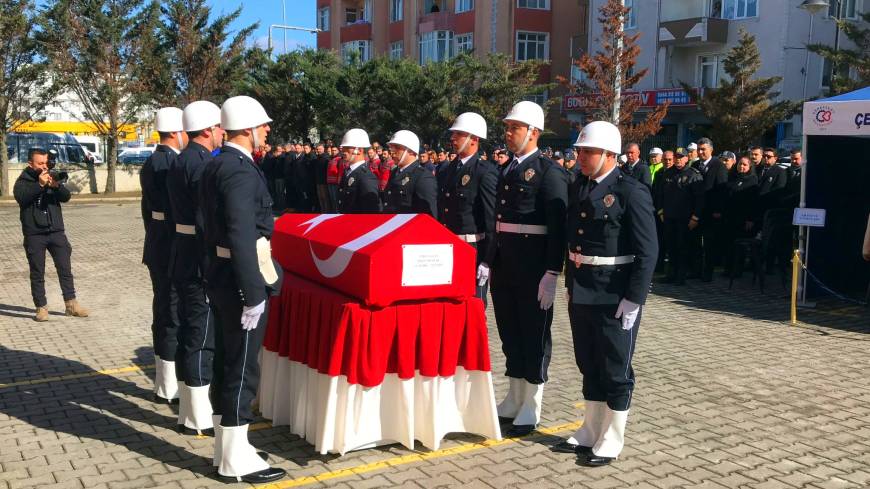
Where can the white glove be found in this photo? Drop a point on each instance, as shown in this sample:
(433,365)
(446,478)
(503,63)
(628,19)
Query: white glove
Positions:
(547,290)
(251,315)
(628,311)
(482,274)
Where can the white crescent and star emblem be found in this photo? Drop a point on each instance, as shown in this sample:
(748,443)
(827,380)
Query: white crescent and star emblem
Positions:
(337,263)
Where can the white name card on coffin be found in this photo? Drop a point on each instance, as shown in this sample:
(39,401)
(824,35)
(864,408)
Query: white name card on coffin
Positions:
(379,259)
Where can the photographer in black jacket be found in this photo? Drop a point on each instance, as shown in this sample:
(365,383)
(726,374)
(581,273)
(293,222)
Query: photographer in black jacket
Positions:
(39,194)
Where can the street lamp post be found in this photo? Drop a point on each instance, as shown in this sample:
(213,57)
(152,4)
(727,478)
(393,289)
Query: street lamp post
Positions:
(284,21)
(813,7)
(286,28)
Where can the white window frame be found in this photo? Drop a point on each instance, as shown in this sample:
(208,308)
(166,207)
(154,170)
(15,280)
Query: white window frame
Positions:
(631,16)
(699,69)
(432,42)
(397,49)
(538,4)
(531,33)
(356,15)
(397,10)
(857,6)
(364,47)
(464,42)
(323,19)
(539,98)
(464,6)
(736,4)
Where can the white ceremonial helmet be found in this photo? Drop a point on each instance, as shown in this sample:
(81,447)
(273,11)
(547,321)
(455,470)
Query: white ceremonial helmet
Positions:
(471,123)
(602,135)
(242,112)
(200,115)
(406,139)
(655,151)
(355,138)
(528,113)
(168,119)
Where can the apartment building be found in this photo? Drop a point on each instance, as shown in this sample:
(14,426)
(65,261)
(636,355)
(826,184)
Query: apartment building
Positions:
(435,30)
(687,41)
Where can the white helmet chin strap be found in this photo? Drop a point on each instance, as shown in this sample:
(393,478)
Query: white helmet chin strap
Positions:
(214,143)
(402,158)
(525,141)
(256,139)
(179,140)
(601,161)
(464,145)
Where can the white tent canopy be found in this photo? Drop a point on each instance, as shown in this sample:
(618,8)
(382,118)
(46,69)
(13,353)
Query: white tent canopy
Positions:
(844,115)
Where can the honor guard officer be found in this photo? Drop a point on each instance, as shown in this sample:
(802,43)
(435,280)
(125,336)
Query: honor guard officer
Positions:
(530,218)
(157,216)
(466,194)
(237,211)
(358,188)
(612,253)
(202,121)
(411,189)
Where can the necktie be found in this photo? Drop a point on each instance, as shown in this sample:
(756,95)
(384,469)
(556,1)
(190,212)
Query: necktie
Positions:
(512,166)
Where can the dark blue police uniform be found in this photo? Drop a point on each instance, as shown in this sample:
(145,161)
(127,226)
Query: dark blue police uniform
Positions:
(466,204)
(186,266)
(157,216)
(531,198)
(411,190)
(237,211)
(610,221)
(358,191)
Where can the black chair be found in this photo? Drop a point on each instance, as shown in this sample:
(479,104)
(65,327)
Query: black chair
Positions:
(773,242)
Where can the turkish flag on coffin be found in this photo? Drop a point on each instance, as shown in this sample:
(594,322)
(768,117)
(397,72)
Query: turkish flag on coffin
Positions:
(379,259)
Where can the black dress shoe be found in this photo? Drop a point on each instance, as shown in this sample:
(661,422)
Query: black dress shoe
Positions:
(519,430)
(504,420)
(593,460)
(271,474)
(163,400)
(565,447)
(184,430)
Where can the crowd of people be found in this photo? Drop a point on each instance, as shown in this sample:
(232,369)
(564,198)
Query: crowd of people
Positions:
(704,203)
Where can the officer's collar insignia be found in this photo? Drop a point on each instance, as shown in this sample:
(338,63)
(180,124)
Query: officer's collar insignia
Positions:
(467,178)
(609,199)
(682,179)
(405,181)
(530,173)
(350,181)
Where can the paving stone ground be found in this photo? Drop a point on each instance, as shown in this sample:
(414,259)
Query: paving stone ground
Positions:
(728,395)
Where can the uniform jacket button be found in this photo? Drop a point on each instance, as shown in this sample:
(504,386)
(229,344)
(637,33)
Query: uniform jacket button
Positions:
(582,214)
(580,231)
(498,216)
(507,187)
(502,201)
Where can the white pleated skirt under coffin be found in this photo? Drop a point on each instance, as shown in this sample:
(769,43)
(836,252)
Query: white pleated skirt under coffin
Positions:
(338,417)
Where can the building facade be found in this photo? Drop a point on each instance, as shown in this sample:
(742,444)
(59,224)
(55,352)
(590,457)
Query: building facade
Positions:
(435,30)
(688,40)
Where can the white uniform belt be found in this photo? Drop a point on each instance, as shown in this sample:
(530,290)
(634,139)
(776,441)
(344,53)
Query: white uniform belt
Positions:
(185,229)
(508,227)
(158,216)
(600,260)
(223,252)
(471,238)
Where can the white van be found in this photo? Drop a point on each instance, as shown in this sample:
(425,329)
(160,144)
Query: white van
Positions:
(94,145)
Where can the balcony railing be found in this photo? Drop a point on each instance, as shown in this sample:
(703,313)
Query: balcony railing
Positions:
(692,23)
(437,21)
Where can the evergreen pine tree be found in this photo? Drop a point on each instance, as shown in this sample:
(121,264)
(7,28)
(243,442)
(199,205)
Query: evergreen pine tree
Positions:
(845,60)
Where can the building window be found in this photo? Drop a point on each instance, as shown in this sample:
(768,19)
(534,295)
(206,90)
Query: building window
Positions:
(397,49)
(464,43)
(431,6)
(708,71)
(364,48)
(532,45)
(828,69)
(323,19)
(436,46)
(396,9)
(367,11)
(351,15)
(537,4)
(850,9)
(464,6)
(739,9)
(539,98)
(630,17)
